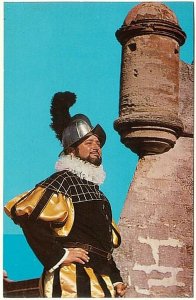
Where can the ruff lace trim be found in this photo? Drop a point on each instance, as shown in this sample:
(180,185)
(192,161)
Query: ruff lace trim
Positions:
(82,169)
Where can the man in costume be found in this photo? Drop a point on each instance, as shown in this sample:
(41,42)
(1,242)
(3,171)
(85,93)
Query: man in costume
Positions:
(66,219)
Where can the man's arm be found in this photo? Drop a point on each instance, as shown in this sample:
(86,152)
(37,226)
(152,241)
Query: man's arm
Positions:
(43,216)
(117,280)
(43,243)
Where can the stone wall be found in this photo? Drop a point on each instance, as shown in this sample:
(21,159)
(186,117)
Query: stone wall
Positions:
(21,289)
(156,121)
(156,256)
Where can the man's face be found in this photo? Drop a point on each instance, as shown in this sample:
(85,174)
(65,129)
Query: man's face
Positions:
(89,150)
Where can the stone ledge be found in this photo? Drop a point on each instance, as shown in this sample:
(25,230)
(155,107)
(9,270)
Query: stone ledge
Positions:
(21,289)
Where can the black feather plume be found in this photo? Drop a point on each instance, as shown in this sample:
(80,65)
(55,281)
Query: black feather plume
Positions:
(59,110)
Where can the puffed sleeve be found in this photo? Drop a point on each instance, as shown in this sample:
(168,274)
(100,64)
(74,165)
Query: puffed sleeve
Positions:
(43,204)
(44,217)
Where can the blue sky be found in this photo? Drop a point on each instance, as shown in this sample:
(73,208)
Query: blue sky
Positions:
(51,47)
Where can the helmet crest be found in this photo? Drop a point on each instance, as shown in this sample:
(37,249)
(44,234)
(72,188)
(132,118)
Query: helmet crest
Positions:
(70,130)
(59,110)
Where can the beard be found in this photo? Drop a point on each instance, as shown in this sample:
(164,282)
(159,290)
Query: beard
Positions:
(96,161)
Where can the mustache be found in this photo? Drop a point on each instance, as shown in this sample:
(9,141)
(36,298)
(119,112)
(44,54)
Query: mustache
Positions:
(95,152)
(95,161)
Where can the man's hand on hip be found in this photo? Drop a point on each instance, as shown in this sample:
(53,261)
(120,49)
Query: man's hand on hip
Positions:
(78,255)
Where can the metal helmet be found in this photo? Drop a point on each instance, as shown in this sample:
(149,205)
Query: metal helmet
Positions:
(80,127)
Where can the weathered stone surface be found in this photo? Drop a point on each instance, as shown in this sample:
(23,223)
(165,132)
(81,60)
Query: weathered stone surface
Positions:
(156,108)
(157,221)
(147,11)
(149,88)
(186,94)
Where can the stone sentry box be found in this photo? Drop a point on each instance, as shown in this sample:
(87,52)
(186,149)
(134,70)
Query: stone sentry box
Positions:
(148,120)
(156,115)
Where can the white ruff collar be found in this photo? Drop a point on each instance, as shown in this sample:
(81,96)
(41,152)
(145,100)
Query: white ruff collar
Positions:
(81,168)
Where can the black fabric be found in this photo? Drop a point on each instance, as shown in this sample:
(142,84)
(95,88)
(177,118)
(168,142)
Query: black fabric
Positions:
(88,247)
(82,282)
(42,281)
(43,243)
(93,217)
(103,285)
(69,184)
(16,218)
(56,292)
(41,204)
(92,225)
(114,272)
